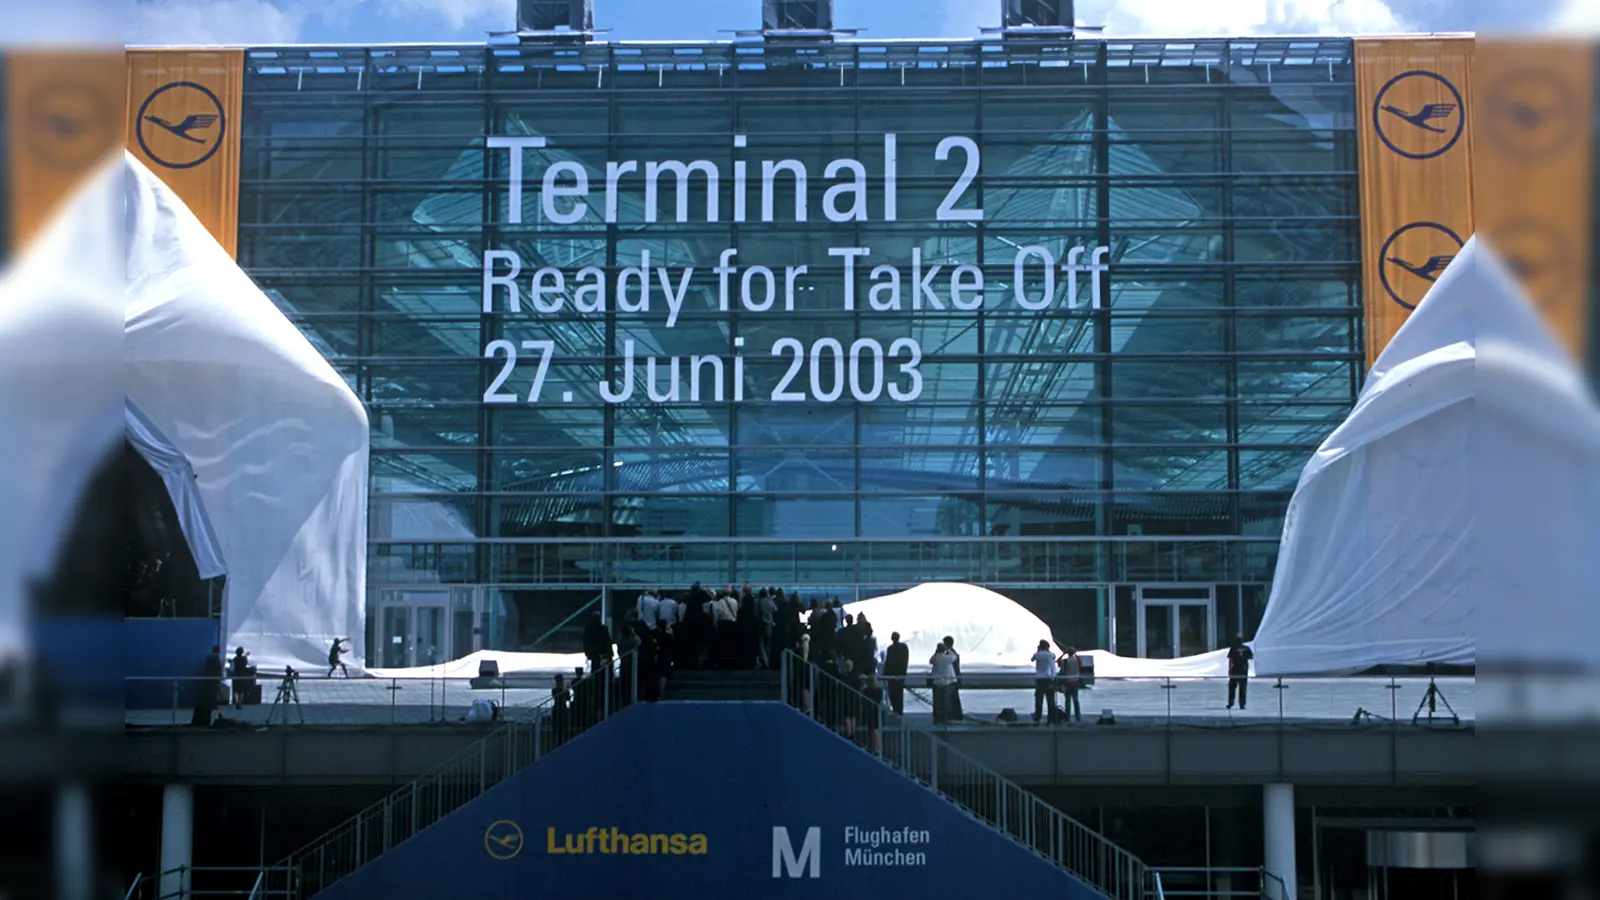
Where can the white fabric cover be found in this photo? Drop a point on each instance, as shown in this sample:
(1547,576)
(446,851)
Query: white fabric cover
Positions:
(178,478)
(990,630)
(1472,431)
(60,391)
(277,440)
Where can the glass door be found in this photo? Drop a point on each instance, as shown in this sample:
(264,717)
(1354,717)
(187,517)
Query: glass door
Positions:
(414,627)
(1176,621)
(1156,637)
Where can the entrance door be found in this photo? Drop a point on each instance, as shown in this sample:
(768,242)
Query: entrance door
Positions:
(413,627)
(1176,621)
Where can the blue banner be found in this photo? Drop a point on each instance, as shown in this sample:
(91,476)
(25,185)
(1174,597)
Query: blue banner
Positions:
(709,800)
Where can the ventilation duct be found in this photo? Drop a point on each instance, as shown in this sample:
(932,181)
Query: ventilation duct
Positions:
(796,15)
(1038,14)
(555,15)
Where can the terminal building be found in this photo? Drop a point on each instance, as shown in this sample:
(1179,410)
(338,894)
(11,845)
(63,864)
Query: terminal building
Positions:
(1062,317)
(1058,315)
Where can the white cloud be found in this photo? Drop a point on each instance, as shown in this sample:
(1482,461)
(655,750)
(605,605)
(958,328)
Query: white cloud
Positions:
(497,15)
(62,22)
(1579,17)
(214,22)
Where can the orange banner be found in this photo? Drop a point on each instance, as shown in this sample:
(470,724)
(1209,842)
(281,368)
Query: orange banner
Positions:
(1412,100)
(1533,157)
(63,118)
(183,123)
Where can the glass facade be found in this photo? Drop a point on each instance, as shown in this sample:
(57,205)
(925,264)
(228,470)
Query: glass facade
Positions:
(1102,448)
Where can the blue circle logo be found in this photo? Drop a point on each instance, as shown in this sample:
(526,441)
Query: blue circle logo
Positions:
(503,839)
(69,125)
(1532,114)
(1413,258)
(1538,255)
(1419,114)
(180,125)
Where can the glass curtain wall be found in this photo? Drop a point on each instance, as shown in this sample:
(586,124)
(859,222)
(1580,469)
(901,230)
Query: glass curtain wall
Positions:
(1145,430)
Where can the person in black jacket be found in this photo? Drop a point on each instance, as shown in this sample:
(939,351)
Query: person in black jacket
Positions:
(208,688)
(1239,656)
(597,644)
(895,662)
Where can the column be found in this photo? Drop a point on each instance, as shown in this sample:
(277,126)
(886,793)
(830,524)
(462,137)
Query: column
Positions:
(177,839)
(1277,828)
(74,840)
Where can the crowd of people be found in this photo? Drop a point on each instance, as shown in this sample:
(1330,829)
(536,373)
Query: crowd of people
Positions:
(751,628)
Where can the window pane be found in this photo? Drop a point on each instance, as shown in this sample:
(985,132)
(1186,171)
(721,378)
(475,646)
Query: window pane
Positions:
(912,516)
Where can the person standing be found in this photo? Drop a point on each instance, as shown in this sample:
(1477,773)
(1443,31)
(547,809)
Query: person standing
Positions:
(1044,683)
(1239,656)
(208,688)
(649,610)
(335,664)
(895,662)
(943,662)
(597,644)
(1071,670)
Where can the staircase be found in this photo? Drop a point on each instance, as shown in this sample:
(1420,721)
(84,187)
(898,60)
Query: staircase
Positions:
(973,787)
(528,735)
(713,684)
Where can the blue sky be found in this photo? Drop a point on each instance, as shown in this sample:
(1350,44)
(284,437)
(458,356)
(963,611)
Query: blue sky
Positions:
(378,21)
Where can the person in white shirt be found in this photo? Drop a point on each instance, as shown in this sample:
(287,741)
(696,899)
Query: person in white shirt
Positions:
(1044,684)
(667,613)
(649,610)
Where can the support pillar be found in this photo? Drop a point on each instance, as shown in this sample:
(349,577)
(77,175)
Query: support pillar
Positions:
(74,843)
(177,840)
(1277,828)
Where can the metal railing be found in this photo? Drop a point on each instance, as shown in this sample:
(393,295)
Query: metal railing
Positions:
(529,736)
(1220,883)
(1353,701)
(972,786)
(202,882)
(269,699)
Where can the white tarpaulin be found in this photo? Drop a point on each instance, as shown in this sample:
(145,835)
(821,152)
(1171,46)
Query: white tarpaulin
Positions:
(277,440)
(60,393)
(178,478)
(1472,430)
(989,629)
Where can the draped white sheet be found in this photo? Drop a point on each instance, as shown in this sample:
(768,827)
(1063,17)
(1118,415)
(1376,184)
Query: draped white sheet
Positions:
(1457,499)
(60,387)
(277,441)
(179,478)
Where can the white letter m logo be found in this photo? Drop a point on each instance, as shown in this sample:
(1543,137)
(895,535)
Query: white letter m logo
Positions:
(783,855)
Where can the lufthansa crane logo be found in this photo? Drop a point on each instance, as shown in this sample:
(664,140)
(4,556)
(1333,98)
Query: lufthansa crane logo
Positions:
(181,125)
(1538,255)
(1413,258)
(1419,114)
(503,839)
(69,124)
(1532,114)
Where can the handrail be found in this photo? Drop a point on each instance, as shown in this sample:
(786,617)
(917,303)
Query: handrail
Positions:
(463,777)
(969,784)
(255,892)
(133,888)
(1156,877)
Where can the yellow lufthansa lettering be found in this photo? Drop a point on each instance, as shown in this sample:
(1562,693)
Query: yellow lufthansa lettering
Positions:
(615,841)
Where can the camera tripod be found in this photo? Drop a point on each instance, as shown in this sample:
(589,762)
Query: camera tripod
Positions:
(288,692)
(1431,699)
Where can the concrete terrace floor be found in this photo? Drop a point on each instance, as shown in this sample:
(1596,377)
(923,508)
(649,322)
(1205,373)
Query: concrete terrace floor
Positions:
(378,702)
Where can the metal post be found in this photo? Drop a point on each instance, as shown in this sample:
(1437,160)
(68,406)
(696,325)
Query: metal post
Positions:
(388,822)
(783,677)
(933,765)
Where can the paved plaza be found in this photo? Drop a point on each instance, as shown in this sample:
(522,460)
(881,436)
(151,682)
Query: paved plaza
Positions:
(376,702)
